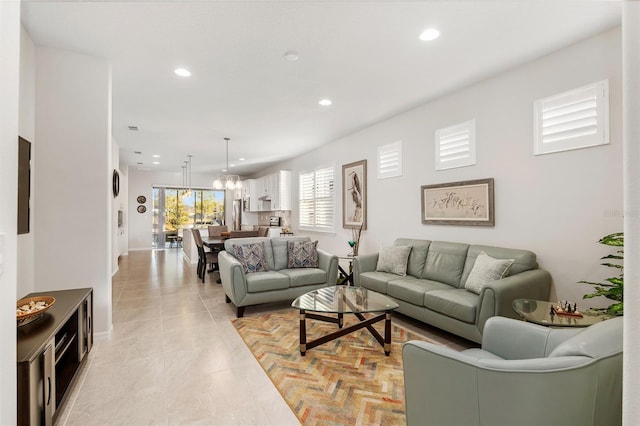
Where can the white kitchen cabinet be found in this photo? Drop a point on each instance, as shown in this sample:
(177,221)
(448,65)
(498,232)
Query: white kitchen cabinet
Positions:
(269,193)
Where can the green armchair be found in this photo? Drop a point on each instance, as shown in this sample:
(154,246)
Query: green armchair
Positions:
(524,374)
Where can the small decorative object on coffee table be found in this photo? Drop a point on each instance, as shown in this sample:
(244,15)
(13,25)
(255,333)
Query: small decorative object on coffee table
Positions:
(342,300)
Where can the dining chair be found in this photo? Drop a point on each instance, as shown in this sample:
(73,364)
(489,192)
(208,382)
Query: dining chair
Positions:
(216,230)
(263,231)
(204,257)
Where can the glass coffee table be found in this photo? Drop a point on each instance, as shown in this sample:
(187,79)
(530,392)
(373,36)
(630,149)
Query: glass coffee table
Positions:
(340,300)
(538,312)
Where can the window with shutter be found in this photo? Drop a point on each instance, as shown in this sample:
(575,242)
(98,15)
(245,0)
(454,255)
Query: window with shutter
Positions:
(456,146)
(390,160)
(316,201)
(571,120)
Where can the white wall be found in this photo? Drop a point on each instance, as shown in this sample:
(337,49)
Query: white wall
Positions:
(118,235)
(142,183)
(26,129)
(557,205)
(9,83)
(73,177)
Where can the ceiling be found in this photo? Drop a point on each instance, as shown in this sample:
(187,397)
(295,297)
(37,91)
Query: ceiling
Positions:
(364,56)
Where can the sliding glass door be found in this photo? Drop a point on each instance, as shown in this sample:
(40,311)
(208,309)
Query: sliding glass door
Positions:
(177,209)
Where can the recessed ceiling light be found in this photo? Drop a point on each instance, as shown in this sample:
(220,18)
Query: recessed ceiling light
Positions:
(156,162)
(291,56)
(325,102)
(182,72)
(429,34)
(155,156)
(231,165)
(241,159)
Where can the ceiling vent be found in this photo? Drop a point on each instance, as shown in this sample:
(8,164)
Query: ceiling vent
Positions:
(133,128)
(137,152)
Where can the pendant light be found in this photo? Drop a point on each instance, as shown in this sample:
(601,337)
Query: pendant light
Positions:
(227,181)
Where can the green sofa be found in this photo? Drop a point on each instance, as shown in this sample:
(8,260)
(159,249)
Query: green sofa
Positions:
(433,289)
(279,282)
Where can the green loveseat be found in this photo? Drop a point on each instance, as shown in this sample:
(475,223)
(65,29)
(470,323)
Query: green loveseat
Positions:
(279,282)
(433,289)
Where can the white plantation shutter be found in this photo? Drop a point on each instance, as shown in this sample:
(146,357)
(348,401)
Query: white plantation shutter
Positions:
(390,160)
(317,199)
(575,119)
(456,146)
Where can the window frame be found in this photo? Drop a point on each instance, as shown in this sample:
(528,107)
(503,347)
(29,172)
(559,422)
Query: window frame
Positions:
(468,126)
(330,200)
(393,148)
(600,137)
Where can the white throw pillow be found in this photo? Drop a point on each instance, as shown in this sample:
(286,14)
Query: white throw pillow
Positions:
(393,259)
(485,270)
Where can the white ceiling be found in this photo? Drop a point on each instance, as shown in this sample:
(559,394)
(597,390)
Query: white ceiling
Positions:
(365,56)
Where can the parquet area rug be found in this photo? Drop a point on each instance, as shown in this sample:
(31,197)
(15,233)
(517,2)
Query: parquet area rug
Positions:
(348,381)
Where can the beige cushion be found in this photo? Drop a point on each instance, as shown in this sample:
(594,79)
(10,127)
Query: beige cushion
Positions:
(485,270)
(393,259)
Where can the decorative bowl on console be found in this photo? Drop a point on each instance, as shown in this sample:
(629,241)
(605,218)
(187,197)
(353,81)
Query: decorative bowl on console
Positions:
(32,308)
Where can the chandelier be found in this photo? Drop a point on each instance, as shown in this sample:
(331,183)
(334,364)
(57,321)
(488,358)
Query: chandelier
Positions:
(227,181)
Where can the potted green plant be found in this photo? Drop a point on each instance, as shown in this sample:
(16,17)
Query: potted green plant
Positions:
(614,287)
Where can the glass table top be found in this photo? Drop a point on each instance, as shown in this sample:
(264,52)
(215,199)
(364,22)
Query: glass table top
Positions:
(538,312)
(342,299)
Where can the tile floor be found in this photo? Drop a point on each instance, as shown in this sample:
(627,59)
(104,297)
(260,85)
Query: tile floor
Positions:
(174,356)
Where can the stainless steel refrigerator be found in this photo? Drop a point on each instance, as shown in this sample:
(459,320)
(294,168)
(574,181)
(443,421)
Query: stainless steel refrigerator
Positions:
(236,215)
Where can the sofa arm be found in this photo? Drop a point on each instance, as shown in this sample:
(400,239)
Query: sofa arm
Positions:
(496,297)
(328,263)
(232,277)
(440,385)
(364,263)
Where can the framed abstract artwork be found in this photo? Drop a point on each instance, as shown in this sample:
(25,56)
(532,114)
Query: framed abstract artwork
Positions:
(354,195)
(468,203)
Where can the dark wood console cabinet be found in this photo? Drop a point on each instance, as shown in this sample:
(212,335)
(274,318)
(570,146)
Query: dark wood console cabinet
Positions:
(51,350)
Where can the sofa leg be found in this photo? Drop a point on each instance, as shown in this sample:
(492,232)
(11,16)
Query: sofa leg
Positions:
(240,312)
(226,299)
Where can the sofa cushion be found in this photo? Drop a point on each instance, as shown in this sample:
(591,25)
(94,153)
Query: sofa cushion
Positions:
(393,259)
(445,262)
(266,281)
(302,254)
(456,303)
(252,257)
(418,255)
(230,243)
(305,276)
(524,260)
(280,250)
(485,270)
(411,289)
(376,281)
